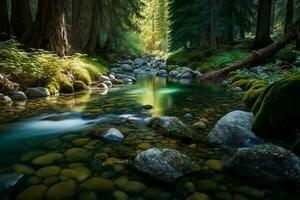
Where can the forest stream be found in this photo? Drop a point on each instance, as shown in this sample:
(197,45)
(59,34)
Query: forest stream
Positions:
(56,142)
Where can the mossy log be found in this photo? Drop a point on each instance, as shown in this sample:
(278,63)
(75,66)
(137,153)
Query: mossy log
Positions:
(257,56)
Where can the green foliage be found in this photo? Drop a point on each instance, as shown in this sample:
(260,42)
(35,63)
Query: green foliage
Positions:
(53,86)
(287,54)
(223,59)
(66,87)
(183,57)
(79,86)
(38,68)
(130,42)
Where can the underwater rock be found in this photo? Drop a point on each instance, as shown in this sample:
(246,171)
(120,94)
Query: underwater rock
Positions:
(50,180)
(98,183)
(62,190)
(9,183)
(198,196)
(119,195)
(47,159)
(25,169)
(48,171)
(88,195)
(76,154)
(35,192)
(233,131)
(18,96)
(113,135)
(172,127)
(165,164)
(216,165)
(199,125)
(37,92)
(80,173)
(267,163)
(133,187)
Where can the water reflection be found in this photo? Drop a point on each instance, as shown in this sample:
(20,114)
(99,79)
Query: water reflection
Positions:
(154,91)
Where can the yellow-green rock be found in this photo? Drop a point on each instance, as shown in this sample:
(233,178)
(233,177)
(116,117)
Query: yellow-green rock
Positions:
(51,180)
(34,180)
(217,165)
(80,141)
(62,190)
(28,156)
(198,196)
(48,171)
(88,195)
(97,183)
(47,159)
(79,173)
(119,195)
(35,192)
(76,154)
(134,187)
(19,168)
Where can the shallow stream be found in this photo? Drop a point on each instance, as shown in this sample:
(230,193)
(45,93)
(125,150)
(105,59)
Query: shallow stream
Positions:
(54,142)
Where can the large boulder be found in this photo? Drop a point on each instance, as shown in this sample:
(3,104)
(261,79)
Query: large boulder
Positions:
(278,110)
(172,127)
(267,163)
(233,130)
(165,164)
(18,96)
(9,183)
(37,92)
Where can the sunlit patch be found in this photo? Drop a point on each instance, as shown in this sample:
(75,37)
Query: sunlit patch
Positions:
(168,90)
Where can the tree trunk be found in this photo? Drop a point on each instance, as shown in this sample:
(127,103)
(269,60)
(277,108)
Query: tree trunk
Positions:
(289,14)
(257,56)
(49,28)
(4,21)
(242,32)
(262,37)
(95,28)
(213,38)
(21,17)
(272,18)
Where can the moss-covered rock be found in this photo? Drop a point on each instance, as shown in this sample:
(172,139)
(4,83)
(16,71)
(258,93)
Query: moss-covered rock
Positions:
(278,115)
(66,87)
(185,57)
(79,86)
(237,77)
(53,87)
(252,95)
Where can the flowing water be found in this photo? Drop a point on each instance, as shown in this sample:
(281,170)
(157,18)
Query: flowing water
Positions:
(54,142)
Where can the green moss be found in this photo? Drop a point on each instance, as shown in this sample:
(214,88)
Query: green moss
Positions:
(252,95)
(240,83)
(66,87)
(171,67)
(79,86)
(258,103)
(237,78)
(223,59)
(278,115)
(53,86)
(185,57)
(204,69)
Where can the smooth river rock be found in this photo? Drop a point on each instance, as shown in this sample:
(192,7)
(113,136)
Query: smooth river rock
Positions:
(269,164)
(172,127)
(37,92)
(9,183)
(113,135)
(233,131)
(18,96)
(165,164)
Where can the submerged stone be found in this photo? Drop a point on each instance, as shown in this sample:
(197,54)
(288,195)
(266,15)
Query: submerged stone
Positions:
(47,159)
(172,127)
(20,168)
(113,135)
(80,173)
(62,190)
(35,192)
(97,183)
(165,164)
(48,171)
(198,196)
(76,154)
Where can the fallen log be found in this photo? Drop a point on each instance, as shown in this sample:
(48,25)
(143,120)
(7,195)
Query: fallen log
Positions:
(257,56)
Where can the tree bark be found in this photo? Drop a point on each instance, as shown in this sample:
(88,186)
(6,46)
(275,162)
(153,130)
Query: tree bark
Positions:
(21,17)
(257,56)
(289,14)
(49,28)
(262,37)
(213,38)
(4,21)
(95,28)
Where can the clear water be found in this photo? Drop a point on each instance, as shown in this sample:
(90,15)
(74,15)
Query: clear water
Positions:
(65,127)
